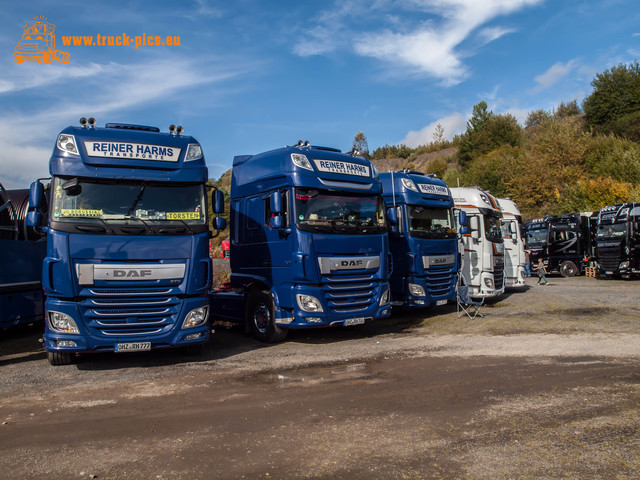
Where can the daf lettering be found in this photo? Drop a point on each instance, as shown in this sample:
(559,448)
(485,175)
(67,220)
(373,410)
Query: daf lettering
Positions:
(131,273)
(352,263)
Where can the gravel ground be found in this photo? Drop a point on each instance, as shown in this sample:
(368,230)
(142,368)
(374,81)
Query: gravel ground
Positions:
(544,386)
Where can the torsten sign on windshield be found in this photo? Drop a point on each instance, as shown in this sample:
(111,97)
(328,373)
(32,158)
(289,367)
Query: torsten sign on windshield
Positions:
(346,168)
(140,151)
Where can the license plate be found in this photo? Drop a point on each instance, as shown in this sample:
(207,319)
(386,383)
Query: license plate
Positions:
(441,302)
(353,321)
(133,347)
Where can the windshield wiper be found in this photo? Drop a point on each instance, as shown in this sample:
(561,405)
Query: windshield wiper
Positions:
(137,199)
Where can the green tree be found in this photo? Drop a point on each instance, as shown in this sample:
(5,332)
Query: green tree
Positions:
(567,109)
(479,117)
(360,144)
(438,135)
(616,93)
(537,117)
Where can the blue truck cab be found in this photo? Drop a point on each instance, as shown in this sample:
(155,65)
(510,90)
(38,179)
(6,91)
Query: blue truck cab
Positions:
(127,265)
(423,242)
(308,242)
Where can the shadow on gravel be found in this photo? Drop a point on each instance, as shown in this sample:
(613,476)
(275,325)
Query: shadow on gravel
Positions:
(21,344)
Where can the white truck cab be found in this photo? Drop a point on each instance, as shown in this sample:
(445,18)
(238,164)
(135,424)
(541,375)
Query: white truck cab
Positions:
(482,246)
(514,257)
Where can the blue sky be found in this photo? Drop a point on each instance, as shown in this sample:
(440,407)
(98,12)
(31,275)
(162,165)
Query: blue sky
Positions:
(253,75)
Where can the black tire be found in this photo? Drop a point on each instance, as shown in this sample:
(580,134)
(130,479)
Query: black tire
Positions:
(568,269)
(60,358)
(261,318)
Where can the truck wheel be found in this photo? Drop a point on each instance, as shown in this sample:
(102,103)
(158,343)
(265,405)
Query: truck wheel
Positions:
(568,269)
(60,358)
(261,318)
(18,58)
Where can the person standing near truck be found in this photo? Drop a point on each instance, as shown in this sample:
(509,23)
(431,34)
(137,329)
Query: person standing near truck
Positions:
(541,271)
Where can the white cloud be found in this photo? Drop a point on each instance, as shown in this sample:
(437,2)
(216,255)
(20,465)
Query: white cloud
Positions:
(429,46)
(31,75)
(488,35)
(452,124)
(554,74)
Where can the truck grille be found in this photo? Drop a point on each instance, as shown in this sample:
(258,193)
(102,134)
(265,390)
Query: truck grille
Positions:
(498,276)
(140,312)
(440,280)
(349,294)
(609,258)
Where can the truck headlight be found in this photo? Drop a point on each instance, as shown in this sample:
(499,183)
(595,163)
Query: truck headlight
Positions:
(488,282)
(62,323)
(196,317)
(308,303)
(384,298)
(416,290)
(624,265)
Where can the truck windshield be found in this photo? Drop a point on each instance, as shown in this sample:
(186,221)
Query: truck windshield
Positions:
(317,211)
(492,228)
(509,229)
(126,203)
(537,236)
(431,222)
(612,230)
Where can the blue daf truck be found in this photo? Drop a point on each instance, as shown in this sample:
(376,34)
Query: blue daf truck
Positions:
(424,240)
(127,266)
(308,242)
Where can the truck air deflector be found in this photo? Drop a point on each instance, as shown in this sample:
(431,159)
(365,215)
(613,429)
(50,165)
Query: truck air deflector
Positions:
(338,184)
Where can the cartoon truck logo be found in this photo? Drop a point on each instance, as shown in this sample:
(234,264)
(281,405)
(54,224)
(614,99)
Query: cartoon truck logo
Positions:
(39,43)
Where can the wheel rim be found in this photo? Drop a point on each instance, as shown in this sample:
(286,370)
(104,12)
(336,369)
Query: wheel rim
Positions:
(261,318)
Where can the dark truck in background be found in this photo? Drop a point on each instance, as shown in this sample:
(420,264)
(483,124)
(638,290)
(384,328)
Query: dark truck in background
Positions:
(617,240)
(564,242)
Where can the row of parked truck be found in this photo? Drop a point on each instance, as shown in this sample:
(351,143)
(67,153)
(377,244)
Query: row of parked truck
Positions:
(317,238)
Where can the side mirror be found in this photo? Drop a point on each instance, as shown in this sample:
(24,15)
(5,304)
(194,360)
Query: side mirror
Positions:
(217,201)
(474,226)
(33,219)
(464,230)
(276,202)
(276,221)
(220,223)
(392,215)
(462,217)
(36,195)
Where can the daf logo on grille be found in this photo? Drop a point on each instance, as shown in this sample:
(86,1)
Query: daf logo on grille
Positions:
(351,263)
(131,273)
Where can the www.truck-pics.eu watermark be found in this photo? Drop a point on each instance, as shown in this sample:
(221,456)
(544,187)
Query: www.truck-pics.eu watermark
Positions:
(122,40)
(38,42)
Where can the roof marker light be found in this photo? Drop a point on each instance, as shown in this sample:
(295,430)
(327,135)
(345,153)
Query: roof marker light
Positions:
(301,161)
(408,184)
